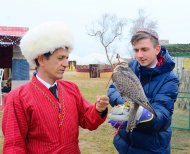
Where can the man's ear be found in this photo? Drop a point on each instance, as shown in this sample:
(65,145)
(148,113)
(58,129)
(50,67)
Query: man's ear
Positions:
(40,60)
(157,48)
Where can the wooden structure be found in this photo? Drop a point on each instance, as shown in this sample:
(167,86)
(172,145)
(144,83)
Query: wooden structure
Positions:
(93,71)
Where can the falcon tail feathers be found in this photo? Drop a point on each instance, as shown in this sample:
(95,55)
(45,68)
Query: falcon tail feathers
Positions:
(149,108)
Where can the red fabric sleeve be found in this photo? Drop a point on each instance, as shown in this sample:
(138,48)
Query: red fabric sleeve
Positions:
(14,128)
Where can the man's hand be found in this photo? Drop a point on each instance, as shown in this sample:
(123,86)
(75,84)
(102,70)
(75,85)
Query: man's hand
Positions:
(102,103)
(120,114)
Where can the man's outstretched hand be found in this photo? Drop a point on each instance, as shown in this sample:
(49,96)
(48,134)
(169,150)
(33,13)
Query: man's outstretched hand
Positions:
(102,103)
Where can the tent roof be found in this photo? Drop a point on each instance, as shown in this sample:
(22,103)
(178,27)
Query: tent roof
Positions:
(13,31)
(10,36)
(178,50)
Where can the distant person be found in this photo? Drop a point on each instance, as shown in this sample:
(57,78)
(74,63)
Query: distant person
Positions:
(154,67)
(7,88)
(44,115)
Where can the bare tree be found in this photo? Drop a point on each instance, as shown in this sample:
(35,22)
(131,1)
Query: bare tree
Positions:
(142,21)
(108,30)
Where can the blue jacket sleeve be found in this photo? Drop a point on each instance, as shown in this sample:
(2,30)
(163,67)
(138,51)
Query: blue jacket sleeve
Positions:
(163,104)
(114,96)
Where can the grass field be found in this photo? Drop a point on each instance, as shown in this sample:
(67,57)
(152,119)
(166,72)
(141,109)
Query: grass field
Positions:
(100,141)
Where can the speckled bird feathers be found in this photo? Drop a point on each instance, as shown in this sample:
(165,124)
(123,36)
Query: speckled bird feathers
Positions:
(130,88)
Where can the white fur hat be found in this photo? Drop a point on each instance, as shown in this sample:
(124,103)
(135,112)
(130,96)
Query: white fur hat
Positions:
(45,38)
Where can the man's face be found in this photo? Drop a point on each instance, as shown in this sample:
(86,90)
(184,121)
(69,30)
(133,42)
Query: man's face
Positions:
(146,53)
(52,68)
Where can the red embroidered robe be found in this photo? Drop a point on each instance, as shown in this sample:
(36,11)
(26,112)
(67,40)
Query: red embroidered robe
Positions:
(33,124)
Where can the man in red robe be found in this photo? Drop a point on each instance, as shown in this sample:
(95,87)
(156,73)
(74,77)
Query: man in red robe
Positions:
(38,120)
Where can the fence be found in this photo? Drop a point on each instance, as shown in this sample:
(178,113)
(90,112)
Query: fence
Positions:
(181,116)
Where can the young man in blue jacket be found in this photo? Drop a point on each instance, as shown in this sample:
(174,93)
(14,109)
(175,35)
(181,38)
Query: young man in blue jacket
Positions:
(154,67)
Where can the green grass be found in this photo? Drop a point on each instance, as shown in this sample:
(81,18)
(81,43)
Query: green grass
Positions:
(181,114)
(180,143)
(180,119)
(100,140)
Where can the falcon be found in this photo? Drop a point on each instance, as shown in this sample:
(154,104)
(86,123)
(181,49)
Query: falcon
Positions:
(131,89)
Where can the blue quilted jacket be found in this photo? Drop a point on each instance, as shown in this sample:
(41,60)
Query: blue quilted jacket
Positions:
(161,88)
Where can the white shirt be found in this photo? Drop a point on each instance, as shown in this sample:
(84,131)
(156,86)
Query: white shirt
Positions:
(46,84)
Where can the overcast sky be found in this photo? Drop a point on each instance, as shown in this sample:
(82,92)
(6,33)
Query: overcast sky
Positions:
(172,16)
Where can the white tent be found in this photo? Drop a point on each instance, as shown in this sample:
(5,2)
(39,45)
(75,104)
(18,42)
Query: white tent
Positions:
(94,58)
